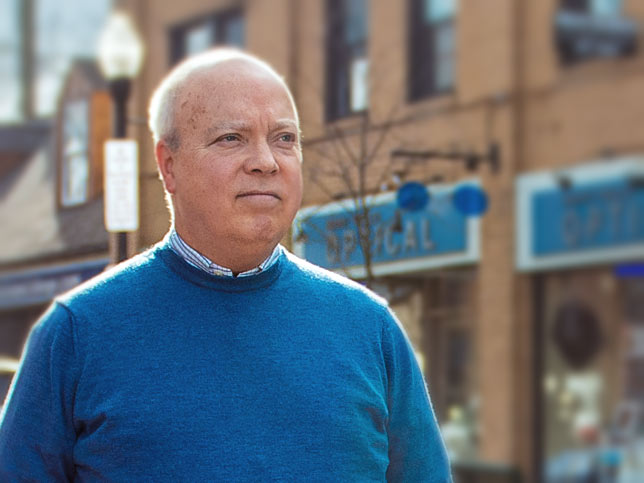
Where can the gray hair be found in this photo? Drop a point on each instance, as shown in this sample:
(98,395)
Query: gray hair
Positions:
(163,100)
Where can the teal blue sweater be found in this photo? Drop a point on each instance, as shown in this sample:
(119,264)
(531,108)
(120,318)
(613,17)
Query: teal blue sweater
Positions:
(156,371)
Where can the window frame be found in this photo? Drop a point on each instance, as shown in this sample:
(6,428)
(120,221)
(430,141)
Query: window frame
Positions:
(587,7)
(423,56)
(579,38)
(218,21)
(342,59)
(69,168)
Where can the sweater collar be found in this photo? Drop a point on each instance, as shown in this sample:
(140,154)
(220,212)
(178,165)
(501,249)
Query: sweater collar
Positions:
(198,260)
(195,275)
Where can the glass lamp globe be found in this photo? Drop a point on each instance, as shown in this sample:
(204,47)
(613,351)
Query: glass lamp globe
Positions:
(120,49)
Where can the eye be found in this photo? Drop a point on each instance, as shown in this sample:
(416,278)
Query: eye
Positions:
(229,138)
(286,137)
(218,137)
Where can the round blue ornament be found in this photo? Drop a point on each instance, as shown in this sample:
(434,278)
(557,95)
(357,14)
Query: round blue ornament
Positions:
(470,200)
(412,196)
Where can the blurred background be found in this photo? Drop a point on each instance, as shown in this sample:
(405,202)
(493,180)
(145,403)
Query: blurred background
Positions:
(480,164)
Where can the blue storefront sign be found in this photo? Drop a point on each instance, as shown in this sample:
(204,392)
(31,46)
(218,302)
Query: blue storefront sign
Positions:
(37,286)
(398,240)
(595,216)
(599,215)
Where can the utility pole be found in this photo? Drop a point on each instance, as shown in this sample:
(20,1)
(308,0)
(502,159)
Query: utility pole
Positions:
(27,57)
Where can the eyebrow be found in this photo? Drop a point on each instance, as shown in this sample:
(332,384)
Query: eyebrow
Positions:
(245,127)
(286,124)
(227,126)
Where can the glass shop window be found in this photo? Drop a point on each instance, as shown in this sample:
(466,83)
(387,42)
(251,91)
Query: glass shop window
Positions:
(449,342)
(592,381)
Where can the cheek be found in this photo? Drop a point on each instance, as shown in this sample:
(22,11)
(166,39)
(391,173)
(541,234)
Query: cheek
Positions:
(300,188)
(294,178)
(299,192)
(203,191)
(295,198)
(210,177)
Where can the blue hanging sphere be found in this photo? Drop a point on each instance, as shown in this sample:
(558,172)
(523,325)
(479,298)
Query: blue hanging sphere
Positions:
(412,196)
(470,200)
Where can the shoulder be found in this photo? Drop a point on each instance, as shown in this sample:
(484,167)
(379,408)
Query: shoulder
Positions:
(115,282)
(54,323)
(333,284)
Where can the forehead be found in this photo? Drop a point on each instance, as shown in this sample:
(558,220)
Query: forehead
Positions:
(235,86)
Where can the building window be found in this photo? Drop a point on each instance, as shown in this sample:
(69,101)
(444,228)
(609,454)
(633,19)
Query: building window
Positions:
(595,7)
(587,29)
(75,166)
(222,28)
(347,90)
(449,335)
(431,47)
(592,376)
(57,38)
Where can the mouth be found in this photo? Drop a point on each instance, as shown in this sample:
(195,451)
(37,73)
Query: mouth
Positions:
(259,194)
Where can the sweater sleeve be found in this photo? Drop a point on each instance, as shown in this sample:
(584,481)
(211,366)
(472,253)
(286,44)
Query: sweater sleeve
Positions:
(36,427)
(416,449)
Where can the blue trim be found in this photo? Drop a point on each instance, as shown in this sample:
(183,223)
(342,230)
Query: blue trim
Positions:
(38,286)
(599,215)
(331,239)
(630,270)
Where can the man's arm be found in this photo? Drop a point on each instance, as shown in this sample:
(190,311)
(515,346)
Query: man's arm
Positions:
(416,449)
(36,428)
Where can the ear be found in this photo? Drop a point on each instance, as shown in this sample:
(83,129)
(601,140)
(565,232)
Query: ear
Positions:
(165,162)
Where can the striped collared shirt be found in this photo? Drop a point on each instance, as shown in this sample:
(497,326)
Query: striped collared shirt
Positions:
(196,259)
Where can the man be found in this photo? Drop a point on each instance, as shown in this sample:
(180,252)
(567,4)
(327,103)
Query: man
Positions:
(216,355)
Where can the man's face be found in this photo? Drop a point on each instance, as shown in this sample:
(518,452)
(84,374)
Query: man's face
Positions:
(236,176)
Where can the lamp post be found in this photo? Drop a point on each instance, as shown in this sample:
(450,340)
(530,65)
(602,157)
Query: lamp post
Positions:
(468,199)
(120,54)
(469,158)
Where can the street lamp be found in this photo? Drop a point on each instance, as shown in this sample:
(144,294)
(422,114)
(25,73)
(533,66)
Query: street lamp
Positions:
(468,199)
(470,159)
(120,54)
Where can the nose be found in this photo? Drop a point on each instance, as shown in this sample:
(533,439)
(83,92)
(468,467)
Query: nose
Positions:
(261,160)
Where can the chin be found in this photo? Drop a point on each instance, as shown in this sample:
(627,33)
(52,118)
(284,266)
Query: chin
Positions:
(265,230)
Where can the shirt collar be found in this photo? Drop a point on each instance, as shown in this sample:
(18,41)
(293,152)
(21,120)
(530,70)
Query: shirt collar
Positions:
(196,259)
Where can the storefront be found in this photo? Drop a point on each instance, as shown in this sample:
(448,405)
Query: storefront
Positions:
(52,212)
(581,232)
(25,295)
(425,263)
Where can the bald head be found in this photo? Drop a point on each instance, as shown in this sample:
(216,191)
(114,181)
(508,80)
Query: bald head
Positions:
(227,65)
(228,151)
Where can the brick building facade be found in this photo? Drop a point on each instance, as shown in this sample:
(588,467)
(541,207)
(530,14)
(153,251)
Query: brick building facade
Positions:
(555,87)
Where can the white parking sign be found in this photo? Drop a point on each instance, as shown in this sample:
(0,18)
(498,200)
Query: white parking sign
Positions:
(121,183)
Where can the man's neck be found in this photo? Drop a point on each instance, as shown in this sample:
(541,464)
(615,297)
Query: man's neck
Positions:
(242,258)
